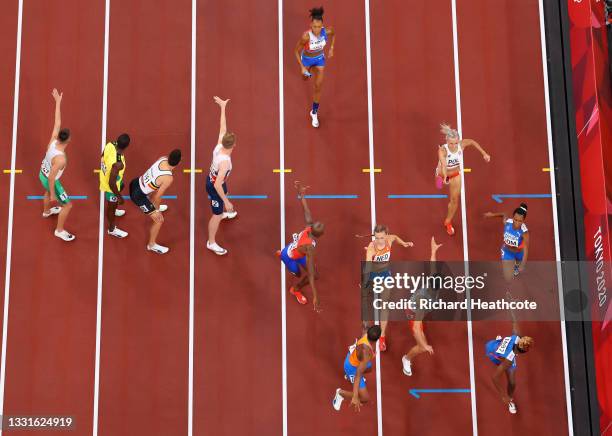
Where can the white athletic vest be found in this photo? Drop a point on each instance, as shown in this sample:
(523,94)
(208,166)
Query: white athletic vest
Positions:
(46,164)
(217,158)
(453,160)
(148,181)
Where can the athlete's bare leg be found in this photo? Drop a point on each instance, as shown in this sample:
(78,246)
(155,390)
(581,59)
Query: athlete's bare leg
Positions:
(364,396)
(213,226)
(318,73)
(46,202)
(155,228)
(61,218)
(455,195)
(511,383)
(415,351)
(110,215)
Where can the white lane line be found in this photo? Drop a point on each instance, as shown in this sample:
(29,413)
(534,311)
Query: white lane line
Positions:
(553,190)
(101,226)
(466,256)
(379,405)
(281,151)
(192,179)
(9,233)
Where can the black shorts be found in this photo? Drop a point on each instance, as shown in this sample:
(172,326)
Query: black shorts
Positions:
(216,203)
(139,198)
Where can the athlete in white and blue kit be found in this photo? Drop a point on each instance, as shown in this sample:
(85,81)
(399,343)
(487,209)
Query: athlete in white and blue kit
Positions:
(310,54)
(502,352)
(515,248)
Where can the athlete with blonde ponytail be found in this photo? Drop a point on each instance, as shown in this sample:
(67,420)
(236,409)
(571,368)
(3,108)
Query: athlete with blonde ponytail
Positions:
(450,160)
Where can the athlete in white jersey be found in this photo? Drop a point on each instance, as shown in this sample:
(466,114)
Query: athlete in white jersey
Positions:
(147,190)
(51,170)
(216,185)
(450,159)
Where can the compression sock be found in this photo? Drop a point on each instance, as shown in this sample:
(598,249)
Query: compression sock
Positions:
(315,107)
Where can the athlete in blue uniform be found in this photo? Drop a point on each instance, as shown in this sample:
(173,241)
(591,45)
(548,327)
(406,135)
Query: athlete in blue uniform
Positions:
(502,352)
(310,54)
(516,241)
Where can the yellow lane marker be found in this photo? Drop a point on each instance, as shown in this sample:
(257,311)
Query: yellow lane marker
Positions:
(367,170)
(278,170)
(10,171)
(97,171)
(467,170)
(196,170)
(546,170)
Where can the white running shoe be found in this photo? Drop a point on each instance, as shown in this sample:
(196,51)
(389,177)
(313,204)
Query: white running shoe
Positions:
(159,249)
(65,235)
(407,366)
(163,207)
(230,215)
(337,401)
(53,211)
(216,248)
(315,119)
(119,212)
(117,233)
(512,407)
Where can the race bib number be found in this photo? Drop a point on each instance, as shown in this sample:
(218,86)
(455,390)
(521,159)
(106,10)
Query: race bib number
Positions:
(45,168)
(511,240)
(214,203)
(383,257)
(145,209)
(503,346)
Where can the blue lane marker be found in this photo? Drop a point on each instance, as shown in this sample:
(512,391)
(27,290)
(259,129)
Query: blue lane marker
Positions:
(246,197)
(164,197)
(498,197)
(415,392)
(72,197)
(331,196)
(395,196)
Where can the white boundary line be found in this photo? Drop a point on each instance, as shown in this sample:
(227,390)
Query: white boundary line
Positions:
(553,190)
(101,227)
(281,146)
(194,9)
(379,405)
(466,256)
(9,237)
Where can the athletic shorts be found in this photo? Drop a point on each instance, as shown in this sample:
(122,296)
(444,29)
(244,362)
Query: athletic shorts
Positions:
(351,371)
(110,196)
(293,265)
(139,198)
(216,203)
(60,192)
(318,61)
(507,254)
(490,351)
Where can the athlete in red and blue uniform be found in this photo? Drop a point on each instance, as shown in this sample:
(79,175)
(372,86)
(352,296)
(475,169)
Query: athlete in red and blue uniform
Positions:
(516,241)
(310,54)
(502,353)
(298,255)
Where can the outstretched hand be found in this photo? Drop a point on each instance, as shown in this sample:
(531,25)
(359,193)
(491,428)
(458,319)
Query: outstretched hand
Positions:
(220,101)
(434,245)
(301,189)
(56,95)
(486,157)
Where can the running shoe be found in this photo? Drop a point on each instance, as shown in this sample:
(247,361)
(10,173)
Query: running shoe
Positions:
(117,233)
(159,249)
(278,253)
(516,270)
(315,119)
(53,211)
(216,248)
(337,401)
(512,407)
(163,207)
(407,366)
(230,215)
(119,212)
(382,343)
(298,296)
(65,235)
(449,229)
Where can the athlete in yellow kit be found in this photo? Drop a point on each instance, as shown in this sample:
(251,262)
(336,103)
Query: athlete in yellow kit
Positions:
(111,181)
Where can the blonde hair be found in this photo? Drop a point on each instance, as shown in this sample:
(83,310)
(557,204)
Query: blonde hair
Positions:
(448,131)
(229,139)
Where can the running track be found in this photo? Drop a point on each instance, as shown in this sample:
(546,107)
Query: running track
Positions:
(240,376)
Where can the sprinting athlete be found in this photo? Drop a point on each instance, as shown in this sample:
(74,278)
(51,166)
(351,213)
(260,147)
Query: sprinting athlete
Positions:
(515,248)
(216,186)
(502,352)
(112,167)
(51,170)
(310,54)
(416,325)
(448,171)
(147,190)
(298,255)
(378,256)
(358,362)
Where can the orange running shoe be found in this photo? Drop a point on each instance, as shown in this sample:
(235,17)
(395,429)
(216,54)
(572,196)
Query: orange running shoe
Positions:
(278,253)
(382,343)
(298,296)
(449,229)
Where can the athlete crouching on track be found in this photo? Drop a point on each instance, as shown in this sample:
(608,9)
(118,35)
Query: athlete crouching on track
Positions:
(448,171)
(502,352)
(358,362)
(156,180)
(216,186)
(378,258)
(515,248)
(416,324)
(112,167)
(298,256)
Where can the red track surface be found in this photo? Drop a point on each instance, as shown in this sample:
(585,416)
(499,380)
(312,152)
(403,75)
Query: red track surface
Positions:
(237,354)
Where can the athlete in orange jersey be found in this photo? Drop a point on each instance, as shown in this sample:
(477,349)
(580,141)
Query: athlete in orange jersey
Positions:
(378,254)
(298,255)
(358,362)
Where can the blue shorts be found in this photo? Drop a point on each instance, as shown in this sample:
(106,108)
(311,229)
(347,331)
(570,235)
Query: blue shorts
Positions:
(293,265)
(216,204)
(490,352)
(511,255)
(351,371)
(318,61)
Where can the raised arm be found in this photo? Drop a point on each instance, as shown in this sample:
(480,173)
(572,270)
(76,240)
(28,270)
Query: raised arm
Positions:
(331,32)
(501,215)
(525,251)
(222,122)
(58,114)
(465,143)
(301,196)
(310,266)
(515,325)
(395,238)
